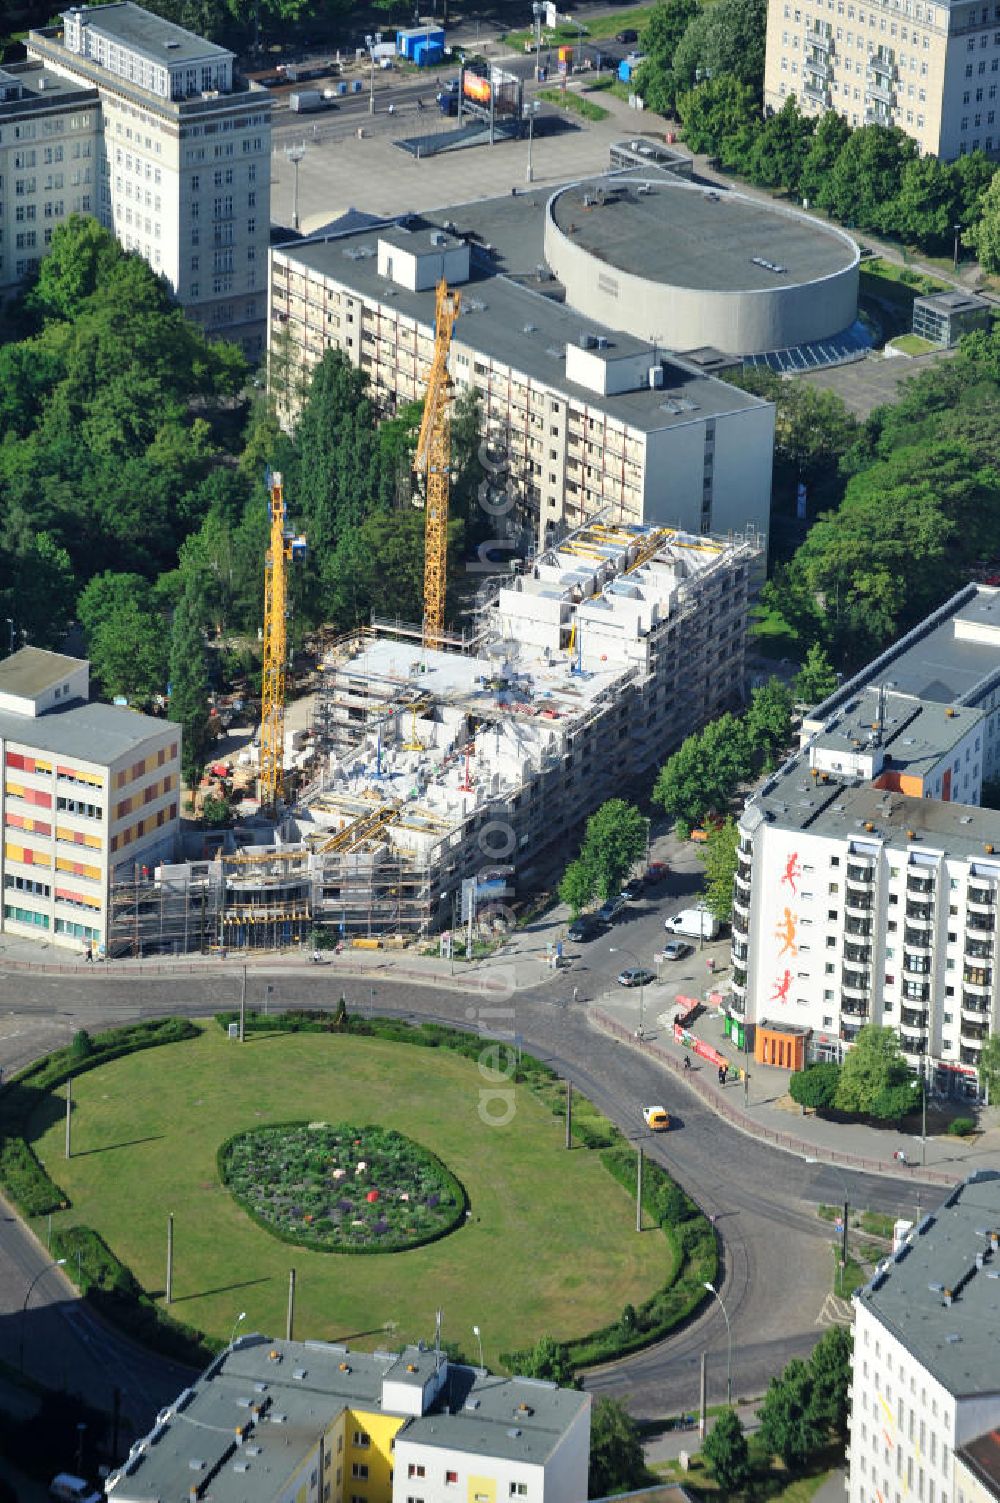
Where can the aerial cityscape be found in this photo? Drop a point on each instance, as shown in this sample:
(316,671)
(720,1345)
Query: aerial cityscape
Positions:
(500,574)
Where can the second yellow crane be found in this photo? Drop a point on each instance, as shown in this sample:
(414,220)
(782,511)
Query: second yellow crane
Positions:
(433,459)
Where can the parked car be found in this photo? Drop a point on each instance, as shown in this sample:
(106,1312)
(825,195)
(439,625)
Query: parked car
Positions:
(694,922)
(676,949)
(632,889)
(627,37)
(582,928)
(657,1118)
(636,976)
(609,911)
(66,1488)
(656,871)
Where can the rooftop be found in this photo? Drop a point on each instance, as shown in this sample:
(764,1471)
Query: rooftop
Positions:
(37,88)
(954,302)
(684,235)
(914,734)
(284,1395)
(162,41)
(940,1295)
(31,671)
(515,324)
(982,1457)
(91,732)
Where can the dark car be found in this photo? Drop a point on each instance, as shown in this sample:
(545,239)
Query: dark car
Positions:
(581,929)
(636,976)
(632,889)
(627,37)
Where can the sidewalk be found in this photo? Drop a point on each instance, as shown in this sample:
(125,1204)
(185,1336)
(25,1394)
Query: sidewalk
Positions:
(765,1110)
(668,1445)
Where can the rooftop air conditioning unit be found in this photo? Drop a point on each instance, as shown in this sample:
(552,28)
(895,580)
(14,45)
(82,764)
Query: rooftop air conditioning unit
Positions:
(655,377)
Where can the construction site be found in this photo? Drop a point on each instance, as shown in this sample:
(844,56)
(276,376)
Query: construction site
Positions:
(449,775)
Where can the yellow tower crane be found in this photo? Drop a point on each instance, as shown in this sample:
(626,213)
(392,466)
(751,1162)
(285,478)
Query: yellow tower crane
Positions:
(433,459)
(284,547)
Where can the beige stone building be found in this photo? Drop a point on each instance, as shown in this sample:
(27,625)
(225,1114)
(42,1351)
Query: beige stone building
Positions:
(179,166)
(932,69)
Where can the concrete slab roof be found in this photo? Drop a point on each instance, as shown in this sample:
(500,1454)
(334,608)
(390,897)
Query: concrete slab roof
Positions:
(31,671)
(684,235)
(982,1457)
(517,1419)
(916,733)
(41,89)
(954,1339)
(162,41)
(90,732)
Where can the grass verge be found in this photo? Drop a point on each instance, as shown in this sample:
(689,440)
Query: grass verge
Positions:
(576,103)
(598,29)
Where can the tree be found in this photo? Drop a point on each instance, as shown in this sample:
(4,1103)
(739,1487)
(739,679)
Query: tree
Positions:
(125,636)
(780,148)
(989,1068)
(719,856)
(927,204)
(189,687)
(829,138)
(984,236)
(548,1360)
(577,886)
(830,1367)
(704,771)
(870,1068)
(80,257)
(725,40)
(616,1456)
(813,428)
(788,1424)
(665,25)
(863,181)
(726,1451)
(769,719)
(716,111)
(815,1086)
(615,839)
(215,812)
(816,679)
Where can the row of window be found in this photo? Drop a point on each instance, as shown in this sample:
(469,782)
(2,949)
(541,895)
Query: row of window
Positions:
(27,130)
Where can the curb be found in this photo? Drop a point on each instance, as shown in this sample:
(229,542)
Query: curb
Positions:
(745,1124)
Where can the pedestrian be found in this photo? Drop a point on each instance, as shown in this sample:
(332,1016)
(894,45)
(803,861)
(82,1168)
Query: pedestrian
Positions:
(711,966)
(90,954)
(576,994)
(687,1061)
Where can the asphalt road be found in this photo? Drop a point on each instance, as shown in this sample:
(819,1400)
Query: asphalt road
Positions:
(777,1262)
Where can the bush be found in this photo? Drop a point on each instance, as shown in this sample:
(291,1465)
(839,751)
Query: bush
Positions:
(961,1127)
(26,1182)
(815,1086)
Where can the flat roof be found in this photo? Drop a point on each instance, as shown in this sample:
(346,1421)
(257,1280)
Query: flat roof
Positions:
(162,41)
(982,1457)
(915,733)
(516,1419)
(42,89)
(955,1341)
(517,325)
(680,234)
(954,302)
(32,670)
(93,732)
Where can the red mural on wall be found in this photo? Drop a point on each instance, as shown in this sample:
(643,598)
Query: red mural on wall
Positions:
(793,871)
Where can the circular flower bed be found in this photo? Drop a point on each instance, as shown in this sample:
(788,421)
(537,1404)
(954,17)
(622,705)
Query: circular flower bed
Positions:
(340,1188)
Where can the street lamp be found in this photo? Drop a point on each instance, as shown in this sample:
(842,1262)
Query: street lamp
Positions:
(921,1081)
(958,243)
(538,11)
(533,108)
(613,950)
(370,44)
(729,1333)
(236,1324)
(479,1337)
(295,155)
(59,1263)
(847,1207)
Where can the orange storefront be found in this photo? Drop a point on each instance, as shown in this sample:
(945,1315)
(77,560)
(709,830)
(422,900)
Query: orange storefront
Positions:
(780,1044)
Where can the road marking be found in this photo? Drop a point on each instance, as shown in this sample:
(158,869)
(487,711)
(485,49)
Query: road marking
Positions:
(835,1312)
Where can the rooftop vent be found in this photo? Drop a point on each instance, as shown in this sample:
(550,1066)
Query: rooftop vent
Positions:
(195,1465)
(299,1374)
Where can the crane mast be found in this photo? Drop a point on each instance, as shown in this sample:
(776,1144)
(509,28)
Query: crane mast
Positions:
(433,459)
(284,546)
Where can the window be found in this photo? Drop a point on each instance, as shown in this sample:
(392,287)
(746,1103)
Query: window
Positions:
(450,1477)
(360,1440)
(416,1470)
(518,1489)
(359,1470)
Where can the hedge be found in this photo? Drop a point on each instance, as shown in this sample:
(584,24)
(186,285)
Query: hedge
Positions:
(22,1176)
(114,1292)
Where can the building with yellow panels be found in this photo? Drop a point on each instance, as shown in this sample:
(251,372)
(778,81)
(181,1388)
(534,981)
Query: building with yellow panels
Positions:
(91,792)
(313,1422)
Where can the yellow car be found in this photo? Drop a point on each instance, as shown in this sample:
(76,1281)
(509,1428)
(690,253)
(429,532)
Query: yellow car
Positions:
(656,1118)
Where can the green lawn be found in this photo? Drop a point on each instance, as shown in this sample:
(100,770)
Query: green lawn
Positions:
(913,344)
(598,28)
(567,100)
(550,1246)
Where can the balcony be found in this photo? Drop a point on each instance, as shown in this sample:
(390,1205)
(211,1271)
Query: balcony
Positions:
(856,983)
(916,993)
(863,875)
(850,1008)
(740,921)
(858,901)
(859,928)
(978,978)
(982,897)
(817,92)
(922,886)
(974,1033)
(917,939)
(920,913)
(976,1008)
(914,1018)
(821,39)
(980,921)
(916,965)
(849,1032)
(741,885)
(858,954)
(979,949)
(969,1056)
(738,978)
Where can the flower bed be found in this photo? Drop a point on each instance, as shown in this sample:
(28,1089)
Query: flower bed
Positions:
(341,1188)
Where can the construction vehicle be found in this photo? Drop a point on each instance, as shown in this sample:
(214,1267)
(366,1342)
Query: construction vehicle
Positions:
(285,547)
(433,460)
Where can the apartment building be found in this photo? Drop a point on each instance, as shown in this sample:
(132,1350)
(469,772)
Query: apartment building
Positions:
(925,1389)
(90,792)
(868,879)
(931,69)
(181,165)
(277,1421)
(589,420)
(49,151)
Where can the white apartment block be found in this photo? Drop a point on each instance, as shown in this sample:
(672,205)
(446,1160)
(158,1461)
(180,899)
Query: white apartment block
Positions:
(90,795)
(49,151)
(314,1422)
(591,421)
(925,1388)
(931,69)
(868,879)
(181,165)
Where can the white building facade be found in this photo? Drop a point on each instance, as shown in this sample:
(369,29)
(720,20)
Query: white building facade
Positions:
(182,173)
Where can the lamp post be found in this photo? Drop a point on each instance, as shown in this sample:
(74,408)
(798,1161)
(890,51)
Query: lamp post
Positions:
(729,1334)
(479,1337)
(370,43)
(58,1263)
(295,155)
(958,243)
(236,1325)
(613,950)
(538,11)
(847,1207)
(921,1081)
(532,112)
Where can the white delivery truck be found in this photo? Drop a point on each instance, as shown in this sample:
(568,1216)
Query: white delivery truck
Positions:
(305,101)
(694,923)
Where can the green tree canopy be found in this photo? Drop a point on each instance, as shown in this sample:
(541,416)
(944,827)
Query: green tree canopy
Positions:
(665,26)
(614,840)
(817,678)
(704,771)
(789,1426)
(726,40)
(984,236)
(189,686)
(720,111)
(864,179)
(815,1086)
(830,1366)
(548,1360)
(126,641)
(781,147)
(727,1452)
(871,1068)
(719,856)
(578,885)
(81,257)
(989,1068)
(768,721)
(827,142)
(616,1457)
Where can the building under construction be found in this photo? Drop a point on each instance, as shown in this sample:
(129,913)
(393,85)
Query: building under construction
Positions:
(455,776)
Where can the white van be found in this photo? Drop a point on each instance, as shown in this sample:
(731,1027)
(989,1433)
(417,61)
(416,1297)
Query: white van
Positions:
(66,1488)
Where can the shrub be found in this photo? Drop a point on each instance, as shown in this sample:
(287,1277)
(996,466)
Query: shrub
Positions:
(961,1127)
(816,1086)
